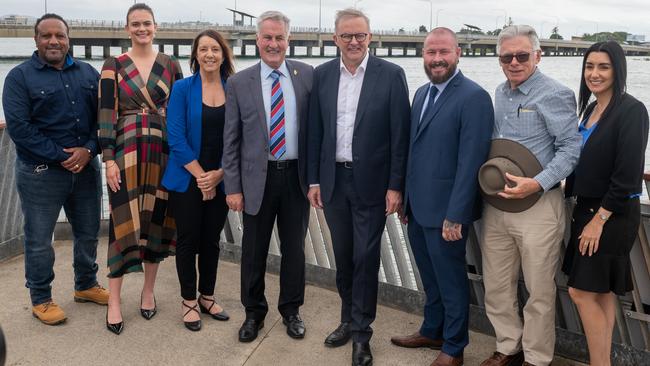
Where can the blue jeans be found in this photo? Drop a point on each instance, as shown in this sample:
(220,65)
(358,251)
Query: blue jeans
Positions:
(42,195)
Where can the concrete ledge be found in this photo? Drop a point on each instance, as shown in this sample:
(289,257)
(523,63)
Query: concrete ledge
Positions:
(568,344)
(11,247)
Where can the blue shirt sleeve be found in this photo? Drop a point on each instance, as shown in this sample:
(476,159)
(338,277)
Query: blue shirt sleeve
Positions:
(16,102)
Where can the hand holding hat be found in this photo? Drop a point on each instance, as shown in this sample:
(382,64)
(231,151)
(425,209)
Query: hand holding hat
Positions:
(523,187)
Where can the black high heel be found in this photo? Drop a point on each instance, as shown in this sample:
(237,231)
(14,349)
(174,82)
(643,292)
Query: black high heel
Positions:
(222,316)
(194,326)
(116,328)
(148,313)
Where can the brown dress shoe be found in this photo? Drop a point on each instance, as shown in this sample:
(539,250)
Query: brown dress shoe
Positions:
(499,359)
(416,340)
(444,359)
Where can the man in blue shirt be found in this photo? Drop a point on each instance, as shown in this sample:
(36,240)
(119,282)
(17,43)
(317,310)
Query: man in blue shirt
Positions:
(50,105)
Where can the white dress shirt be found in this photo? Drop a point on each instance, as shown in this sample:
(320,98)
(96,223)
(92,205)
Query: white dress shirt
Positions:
(346,108)
(290,114)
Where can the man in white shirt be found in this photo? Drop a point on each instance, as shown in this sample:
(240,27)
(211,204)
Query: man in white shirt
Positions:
(357,145)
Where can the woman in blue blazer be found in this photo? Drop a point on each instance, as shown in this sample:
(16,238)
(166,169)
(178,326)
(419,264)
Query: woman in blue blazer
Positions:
(607,183)
(195,119)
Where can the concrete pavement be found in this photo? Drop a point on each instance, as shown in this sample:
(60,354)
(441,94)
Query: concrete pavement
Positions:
(83,339)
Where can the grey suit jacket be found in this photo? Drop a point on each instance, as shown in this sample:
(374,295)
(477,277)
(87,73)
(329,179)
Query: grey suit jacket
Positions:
(246,136)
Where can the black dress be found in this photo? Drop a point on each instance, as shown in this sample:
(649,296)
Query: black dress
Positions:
(609,175)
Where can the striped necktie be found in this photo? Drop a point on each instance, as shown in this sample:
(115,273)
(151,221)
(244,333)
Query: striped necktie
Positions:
(276,133)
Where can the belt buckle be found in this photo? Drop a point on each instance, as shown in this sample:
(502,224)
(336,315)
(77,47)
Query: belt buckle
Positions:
(347,164)
(40,168)
(281,164)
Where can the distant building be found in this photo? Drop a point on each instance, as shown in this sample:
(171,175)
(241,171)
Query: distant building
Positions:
(636,38)
(17,19)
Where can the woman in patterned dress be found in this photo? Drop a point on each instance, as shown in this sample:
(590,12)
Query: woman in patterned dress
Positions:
(134,89)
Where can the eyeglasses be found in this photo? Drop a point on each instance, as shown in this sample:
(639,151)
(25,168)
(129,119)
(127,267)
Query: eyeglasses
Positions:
(347,37)
(521,57)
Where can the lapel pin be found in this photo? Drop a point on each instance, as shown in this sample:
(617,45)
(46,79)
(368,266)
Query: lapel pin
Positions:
(295,72)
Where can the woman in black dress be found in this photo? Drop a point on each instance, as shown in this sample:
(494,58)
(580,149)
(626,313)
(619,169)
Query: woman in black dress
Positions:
(195,120)
(607,183)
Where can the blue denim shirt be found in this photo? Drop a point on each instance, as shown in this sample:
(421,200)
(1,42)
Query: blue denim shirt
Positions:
(47,110)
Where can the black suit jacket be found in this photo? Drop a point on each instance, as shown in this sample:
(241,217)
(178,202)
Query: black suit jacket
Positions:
(381,130)
(612,161)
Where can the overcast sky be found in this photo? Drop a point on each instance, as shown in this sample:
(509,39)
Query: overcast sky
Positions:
(573,17)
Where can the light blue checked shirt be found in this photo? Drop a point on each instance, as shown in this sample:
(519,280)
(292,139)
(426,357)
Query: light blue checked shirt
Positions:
(290,114)
(541,115)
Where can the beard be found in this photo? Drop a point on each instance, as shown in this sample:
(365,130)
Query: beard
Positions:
(439,79)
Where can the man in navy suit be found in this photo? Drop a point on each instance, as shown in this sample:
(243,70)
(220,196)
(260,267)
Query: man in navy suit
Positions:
(451,127)
(357,146)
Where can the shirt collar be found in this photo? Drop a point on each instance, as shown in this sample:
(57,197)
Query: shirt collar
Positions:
(441,87)
(39,64)
(362,66)
(527,85)
(266,70)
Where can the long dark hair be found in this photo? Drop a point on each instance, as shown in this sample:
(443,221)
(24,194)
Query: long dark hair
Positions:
(619,66)
(228,64)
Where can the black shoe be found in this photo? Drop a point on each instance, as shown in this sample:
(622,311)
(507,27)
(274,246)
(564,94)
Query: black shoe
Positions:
(194,326)
(148,313)
(116,328)
(223,316)
(248,330)
(295,326)
(361,355)
(339,336)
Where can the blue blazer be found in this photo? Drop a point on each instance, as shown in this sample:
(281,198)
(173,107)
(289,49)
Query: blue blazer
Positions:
(184,112)
(446,151)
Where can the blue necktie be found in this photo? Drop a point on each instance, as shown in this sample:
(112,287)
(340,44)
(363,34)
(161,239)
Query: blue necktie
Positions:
(276,133)
(429,107)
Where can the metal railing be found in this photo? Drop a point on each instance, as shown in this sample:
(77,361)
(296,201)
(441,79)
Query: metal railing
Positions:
(400,284)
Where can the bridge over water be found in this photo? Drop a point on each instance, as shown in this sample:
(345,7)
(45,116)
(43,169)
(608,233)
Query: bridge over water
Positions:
(306,42)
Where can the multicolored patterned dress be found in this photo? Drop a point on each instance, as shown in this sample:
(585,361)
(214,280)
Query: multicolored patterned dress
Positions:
(133,133)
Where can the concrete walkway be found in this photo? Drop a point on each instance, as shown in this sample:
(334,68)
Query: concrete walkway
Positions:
(83,339)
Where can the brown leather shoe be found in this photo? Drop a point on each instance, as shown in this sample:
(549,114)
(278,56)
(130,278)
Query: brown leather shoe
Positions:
(96,294)
(444,359)
(499,359)
(416,340)
(49,313)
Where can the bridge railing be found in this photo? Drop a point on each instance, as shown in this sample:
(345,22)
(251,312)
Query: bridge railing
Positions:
(400,283)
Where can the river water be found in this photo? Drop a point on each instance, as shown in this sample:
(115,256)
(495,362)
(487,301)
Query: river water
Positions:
(484,70)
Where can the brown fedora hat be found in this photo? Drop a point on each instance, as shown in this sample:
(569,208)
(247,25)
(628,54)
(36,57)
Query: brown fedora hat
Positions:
(507,156)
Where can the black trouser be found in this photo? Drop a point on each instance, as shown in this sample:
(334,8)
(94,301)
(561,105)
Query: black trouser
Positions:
(284,200)
(356,229)
(198,225)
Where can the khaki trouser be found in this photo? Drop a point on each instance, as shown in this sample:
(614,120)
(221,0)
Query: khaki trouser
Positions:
(530,240)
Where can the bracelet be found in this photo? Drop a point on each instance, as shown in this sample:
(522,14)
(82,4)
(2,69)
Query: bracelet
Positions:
(109,166)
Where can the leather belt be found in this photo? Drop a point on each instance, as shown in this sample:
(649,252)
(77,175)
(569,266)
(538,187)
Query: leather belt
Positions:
(344,164)
(160,111)
(282,164)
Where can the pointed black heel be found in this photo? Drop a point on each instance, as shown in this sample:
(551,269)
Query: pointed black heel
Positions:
(116,328)
(148,313)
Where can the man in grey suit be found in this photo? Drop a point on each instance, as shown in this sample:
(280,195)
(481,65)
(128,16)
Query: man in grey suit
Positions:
(264,165)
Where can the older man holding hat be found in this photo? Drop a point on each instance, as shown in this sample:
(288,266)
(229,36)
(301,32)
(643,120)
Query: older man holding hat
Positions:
(535,145)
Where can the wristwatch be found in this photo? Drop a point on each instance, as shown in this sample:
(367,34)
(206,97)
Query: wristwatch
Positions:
(603,217)
(90,153)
